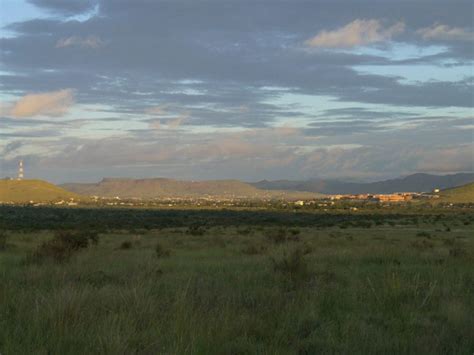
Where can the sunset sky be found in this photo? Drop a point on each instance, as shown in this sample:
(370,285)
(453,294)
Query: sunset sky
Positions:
(251,90)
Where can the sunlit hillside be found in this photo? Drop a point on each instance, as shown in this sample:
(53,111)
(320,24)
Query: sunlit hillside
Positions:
(32,190)
(461,194)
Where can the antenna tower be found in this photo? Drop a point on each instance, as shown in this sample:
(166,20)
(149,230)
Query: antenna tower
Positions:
(20,170)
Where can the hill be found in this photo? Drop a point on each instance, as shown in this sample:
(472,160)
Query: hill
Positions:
(24,191)
(170,188)
(461,194)
(411,183)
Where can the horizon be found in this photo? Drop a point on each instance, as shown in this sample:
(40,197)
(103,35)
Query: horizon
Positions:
(358,92)
(342,180)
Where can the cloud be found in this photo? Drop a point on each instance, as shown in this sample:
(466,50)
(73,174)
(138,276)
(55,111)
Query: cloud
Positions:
(356,33)
(54,103)
(78,41)
(65,7)
(443,32)
(156,110)
(176,122)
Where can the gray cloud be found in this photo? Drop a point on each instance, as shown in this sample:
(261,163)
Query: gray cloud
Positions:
(69,7)
(226,65)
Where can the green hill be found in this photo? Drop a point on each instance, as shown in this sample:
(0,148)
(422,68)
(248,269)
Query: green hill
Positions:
(461,194)
(24,191)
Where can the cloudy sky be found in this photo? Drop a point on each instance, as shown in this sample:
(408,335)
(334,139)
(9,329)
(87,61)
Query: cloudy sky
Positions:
(242,89)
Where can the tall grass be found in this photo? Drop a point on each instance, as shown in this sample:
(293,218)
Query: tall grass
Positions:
(376,293)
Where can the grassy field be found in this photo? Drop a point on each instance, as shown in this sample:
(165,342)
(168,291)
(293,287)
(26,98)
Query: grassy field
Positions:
(398,285)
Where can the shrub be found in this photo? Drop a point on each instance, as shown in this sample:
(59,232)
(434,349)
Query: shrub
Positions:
(292,265)
(126,245)
(457,252)
(244,231)
(423,234)
(295,231)
(161,251)
(254,249)
(423,244)
(449,241)
(62,246)
(196,230)
(281,236)
(3,241)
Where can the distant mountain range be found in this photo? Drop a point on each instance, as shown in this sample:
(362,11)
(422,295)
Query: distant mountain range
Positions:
(412,183)
(170,188)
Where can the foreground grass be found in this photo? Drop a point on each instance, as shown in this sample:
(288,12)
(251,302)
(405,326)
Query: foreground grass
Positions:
(235,290)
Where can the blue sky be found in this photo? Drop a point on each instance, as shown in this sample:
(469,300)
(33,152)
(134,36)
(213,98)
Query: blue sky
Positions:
(358,90)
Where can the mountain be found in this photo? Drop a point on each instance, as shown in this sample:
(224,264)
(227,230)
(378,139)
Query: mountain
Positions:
(169,188)
(24,191)
(461,194)
(412,183)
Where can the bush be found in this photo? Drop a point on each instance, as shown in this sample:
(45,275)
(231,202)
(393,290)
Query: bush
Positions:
(295,231)
(292,265)
(196,230)
(161,251)
(3,241)
(457,252)
(423,244)
(281,236)
(254,249)
(423,234)
(63,245)
(244,231)
(126,245)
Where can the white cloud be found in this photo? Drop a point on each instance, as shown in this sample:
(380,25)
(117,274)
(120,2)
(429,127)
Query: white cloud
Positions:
(444,32)
(356,33)
(78,41)
(54,103)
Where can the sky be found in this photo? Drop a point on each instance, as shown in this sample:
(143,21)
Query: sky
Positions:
(355,90)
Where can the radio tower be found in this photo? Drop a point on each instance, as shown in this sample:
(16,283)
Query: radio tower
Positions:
(20,170)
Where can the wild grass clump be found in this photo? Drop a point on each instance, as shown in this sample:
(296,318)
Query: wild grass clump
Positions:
(63,245)
(196,230)
(292,265)
(422,244)
(254,249)
(244,231)
(125,245)
(457,252)
(161,251)
(423,234)
(281,235)
(295,231)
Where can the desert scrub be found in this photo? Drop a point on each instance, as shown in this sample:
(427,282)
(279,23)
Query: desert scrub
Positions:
(254,249)
(281,235)
(423,234)
(292,265)
(161,251)
(3,241)
(196,230)
(62,246)
(125,245)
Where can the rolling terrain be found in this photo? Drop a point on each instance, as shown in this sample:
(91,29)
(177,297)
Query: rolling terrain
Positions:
(170,188)
(23,191)
(411,183)
(461,194)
